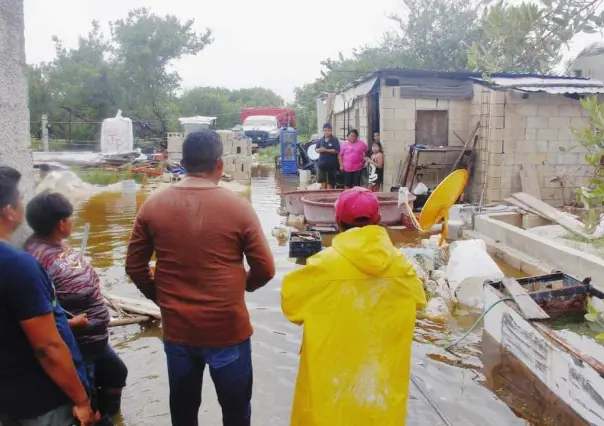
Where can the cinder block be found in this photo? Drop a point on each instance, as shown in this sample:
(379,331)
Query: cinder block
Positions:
(549,111)
(496,146)
(527,110)
(404,114)
(559,122)
(571,110)
(387,114)
(571,158)
(406,136)
(547,134)
(579,123)
(565,135)
(387,92)
(496,122)
(442,104)
(425,104)
(497,110)
(537,123)
(542,147)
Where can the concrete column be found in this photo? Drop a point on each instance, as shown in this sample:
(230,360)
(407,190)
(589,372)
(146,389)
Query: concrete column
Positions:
(14,113)
(45,138)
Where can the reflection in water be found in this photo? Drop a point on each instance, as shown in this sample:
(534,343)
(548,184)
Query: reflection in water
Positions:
(455,382)
(521,390)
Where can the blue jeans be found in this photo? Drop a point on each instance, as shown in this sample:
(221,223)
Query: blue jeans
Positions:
(231,372)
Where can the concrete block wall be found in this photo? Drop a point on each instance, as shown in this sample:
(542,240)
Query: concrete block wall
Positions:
(14,113)
(479,108)
(536,131)
(397,125)
(236,150)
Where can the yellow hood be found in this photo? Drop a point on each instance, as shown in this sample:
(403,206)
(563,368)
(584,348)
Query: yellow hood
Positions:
(369,249)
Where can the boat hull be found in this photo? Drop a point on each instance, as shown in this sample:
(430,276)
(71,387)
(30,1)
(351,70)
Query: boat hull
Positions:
(536,346)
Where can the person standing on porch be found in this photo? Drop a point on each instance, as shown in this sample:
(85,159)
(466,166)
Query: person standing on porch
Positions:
(328,148)
(352,159)
(200,233)
(375,167)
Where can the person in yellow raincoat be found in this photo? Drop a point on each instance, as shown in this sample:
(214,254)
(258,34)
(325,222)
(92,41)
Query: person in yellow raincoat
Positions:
(357,302)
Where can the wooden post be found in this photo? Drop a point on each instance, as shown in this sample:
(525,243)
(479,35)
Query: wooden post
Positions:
(45,139)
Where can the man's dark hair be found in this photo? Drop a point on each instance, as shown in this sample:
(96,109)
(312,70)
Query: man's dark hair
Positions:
(44,168)
(9,186)
(201,150)
(355,132)
(46,210)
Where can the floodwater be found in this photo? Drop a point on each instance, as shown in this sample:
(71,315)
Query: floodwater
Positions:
(454,388)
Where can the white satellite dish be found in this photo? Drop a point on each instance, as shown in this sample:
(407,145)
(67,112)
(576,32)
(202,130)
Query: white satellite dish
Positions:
(312,152)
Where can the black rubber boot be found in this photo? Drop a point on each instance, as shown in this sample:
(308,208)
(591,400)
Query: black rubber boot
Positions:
(109,404)
(105,421)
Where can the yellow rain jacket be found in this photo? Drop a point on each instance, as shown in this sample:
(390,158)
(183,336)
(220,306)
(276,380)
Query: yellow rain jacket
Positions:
(357,302)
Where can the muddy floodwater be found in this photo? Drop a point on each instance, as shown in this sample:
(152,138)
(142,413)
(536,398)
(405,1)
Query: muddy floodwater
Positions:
(464,388)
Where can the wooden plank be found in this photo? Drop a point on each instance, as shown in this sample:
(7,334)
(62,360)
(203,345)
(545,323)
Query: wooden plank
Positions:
(465,147)
(135,306)
(553,214)
(132,320)
(529,309)
(523,206)
(529,180)
(431,128)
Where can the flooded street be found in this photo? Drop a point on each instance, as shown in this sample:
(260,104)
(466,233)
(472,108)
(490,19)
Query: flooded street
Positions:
(456,384)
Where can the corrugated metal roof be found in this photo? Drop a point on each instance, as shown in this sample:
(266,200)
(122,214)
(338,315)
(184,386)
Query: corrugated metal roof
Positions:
(523,82)
(344,100)
(540,81)
(564,90)
(552,85)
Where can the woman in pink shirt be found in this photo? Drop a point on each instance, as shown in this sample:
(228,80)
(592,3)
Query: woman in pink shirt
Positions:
(352,159)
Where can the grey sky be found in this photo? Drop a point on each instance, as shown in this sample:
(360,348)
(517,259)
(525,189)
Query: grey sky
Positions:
(267,43)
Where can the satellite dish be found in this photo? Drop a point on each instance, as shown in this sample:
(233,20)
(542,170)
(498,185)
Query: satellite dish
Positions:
(312,152)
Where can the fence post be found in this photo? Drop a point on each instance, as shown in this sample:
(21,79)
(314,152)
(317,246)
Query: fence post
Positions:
(45,141)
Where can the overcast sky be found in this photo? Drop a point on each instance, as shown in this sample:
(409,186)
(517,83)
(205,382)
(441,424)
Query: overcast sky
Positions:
(268,43)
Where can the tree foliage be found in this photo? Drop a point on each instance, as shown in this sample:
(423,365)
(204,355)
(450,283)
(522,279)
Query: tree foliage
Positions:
(225,104)
(130,70)
(592,140)
(529,37)
(488,36)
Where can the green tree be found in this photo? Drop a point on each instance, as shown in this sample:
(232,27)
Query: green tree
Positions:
(225,104)
(144,47)
(130,70)
(529,37)
(592,139)
(430,34)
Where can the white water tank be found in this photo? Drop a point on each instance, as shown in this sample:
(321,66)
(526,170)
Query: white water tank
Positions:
(117,135)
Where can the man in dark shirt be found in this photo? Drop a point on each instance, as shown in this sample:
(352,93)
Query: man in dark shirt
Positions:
(328,148)
(42,378)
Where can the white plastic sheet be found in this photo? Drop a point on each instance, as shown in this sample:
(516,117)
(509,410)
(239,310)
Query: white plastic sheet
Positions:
(469,267)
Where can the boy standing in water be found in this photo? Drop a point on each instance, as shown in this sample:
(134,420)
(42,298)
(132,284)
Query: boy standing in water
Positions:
(79,292)
(357,302)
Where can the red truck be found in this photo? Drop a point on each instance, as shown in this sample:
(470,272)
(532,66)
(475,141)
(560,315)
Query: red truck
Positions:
(285,116)
(263,124)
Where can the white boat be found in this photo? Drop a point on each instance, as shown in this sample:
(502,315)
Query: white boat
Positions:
(568,364)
